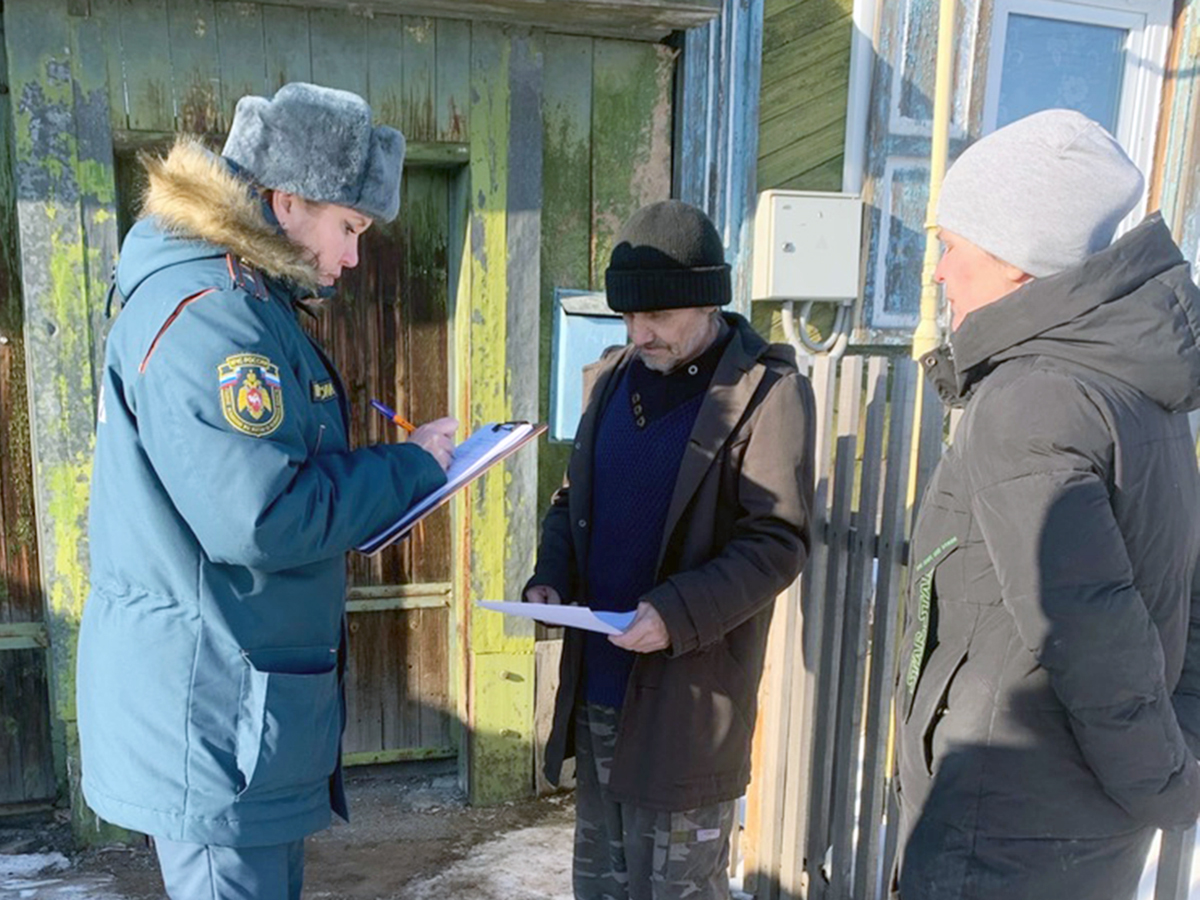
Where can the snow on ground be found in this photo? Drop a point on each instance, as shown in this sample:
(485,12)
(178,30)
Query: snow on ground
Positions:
(527,863)
(530,864)
(45,876)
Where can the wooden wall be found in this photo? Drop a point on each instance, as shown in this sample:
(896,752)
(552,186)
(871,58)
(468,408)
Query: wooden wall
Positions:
(26,756)
(805,78)
(606,150)
(527,150)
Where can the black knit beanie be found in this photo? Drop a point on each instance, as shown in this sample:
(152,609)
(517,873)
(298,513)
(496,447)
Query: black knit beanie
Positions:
(668,256)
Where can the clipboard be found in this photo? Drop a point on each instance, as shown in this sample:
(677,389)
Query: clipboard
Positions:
(488,445)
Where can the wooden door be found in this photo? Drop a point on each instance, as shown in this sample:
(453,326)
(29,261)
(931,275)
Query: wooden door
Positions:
(26,756)
(387,332)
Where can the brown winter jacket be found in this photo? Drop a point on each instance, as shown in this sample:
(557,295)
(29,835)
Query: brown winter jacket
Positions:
(737,532)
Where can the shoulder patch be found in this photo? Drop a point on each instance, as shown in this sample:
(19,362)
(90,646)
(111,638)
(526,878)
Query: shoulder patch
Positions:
(251,393)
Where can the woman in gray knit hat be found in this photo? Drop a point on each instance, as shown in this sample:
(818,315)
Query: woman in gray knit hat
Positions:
(1049,689)
(225,496)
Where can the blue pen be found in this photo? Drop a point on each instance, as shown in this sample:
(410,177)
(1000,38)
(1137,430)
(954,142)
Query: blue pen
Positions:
(388,413)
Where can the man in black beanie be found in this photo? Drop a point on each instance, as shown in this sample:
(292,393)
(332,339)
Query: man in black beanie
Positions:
(687,500)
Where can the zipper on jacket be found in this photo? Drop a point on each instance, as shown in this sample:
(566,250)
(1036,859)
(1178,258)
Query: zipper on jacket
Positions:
(320,437)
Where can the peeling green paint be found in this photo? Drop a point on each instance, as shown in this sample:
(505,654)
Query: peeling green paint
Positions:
(500,707)
(57,108)
(96,181)
(631,142)
(68,486)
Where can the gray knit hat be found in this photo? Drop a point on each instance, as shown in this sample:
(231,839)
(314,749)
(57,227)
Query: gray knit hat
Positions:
(318,142)
(667,256)
(1043,193)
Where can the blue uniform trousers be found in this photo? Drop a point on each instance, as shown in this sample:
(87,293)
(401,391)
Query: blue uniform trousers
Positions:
(212,872)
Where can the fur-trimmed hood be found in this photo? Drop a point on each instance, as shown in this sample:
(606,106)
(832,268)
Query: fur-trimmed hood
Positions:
(195,195)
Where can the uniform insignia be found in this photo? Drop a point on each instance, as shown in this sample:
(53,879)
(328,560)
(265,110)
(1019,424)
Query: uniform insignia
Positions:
(251,393)
(323,390)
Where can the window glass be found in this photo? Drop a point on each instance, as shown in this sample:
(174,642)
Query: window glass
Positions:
(1053,63)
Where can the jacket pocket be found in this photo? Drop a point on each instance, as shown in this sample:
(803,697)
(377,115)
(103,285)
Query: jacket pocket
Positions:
(930,702)
(289,722)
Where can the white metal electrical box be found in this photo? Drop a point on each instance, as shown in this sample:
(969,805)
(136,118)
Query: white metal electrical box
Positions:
(807,246)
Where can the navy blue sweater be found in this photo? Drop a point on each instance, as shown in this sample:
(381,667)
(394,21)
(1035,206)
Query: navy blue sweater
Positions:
(639,445)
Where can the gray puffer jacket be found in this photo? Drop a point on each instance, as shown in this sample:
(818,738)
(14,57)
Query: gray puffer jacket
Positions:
(1049,680)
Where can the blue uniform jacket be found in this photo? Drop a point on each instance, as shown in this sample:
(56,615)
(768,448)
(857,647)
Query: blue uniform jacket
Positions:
(224,499)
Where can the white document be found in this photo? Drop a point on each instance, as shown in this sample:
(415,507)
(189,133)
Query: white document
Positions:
(483,449)
(600,620)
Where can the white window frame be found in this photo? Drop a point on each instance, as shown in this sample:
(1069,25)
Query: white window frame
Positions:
(1149,25)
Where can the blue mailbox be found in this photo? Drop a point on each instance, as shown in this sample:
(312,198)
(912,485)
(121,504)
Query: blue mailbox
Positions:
(584,327)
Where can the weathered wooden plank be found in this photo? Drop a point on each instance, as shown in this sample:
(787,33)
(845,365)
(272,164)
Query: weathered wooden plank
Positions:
(20,596)
(799,788)
(338,40)
(419,61)
(461,273)
(26,758)
(499,680)
(1173,880)
(853,657)
(423,374)
(50,182)
(97,184)
(401,698)
(566,213)
(826,176)
(434,686)
(147,80)
(429,593)
(805,77)
(385,71)
(453,79)
(16,635)
(631,138)
(371,669)
(802,155)
(195,71)
(243,54)
(106,17)
(884,628)
(547,656)
(286,39)
(794,23)
(797,93)
(815,49)
(766,810)
(716,126)
(830,781)
(400,755)
(632,19)
(521,331)
(824,106)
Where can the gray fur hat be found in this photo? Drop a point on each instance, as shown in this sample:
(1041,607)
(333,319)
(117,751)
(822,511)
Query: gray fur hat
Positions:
(1043,193)
(318,142)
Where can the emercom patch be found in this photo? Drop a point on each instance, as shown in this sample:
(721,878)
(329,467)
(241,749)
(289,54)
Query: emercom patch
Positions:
(251,394)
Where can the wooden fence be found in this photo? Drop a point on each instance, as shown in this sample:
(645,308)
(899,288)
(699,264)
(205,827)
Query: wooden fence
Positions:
(820,813)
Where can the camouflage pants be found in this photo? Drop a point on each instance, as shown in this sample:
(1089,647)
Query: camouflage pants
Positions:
(625,852)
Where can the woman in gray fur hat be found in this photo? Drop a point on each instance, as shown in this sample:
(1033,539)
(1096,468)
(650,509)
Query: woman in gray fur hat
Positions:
(225,496)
